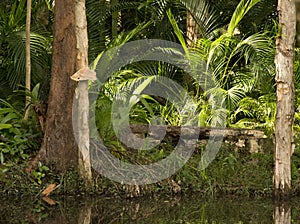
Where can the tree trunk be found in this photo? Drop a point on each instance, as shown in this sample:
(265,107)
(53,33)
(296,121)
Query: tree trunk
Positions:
(82,99)
(192,30)
(114,21)
(298,23)
(59,147)
(284,61)
(192,34)
(28,61)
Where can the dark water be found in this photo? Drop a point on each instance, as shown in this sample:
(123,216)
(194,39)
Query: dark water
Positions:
(180,209)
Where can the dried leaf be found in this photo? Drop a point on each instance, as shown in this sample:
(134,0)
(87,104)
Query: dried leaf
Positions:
(49,201)
(48,190)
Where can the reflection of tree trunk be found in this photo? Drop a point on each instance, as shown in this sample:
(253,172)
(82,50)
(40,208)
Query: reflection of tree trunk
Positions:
(284,61)
(282,214)
(85,214)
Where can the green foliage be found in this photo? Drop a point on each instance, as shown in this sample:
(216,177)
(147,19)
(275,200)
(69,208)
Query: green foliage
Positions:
(237,65)
(297,90)
(12,47)
(261,17)
(206,15)
(40,173)
(20,138)
(241,65)
(241,10)
(256,113)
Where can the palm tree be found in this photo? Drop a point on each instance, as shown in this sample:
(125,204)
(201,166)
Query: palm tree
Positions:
(237,62)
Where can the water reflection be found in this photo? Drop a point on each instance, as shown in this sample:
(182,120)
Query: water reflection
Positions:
(185,209)
(282,213)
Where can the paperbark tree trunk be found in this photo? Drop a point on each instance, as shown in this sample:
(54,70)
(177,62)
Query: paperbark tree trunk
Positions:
(284,61)
(82,98)
(59,147)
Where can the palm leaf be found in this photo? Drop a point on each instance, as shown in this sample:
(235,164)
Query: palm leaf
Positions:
(40,51)
(241,10)
(177,31)
(204,14)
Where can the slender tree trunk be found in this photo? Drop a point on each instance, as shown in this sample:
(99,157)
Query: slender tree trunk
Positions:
(114,21)
(298,22)
(192,34)
(59,147)
(102,8)
(28,61)
(82,98)
(284,61)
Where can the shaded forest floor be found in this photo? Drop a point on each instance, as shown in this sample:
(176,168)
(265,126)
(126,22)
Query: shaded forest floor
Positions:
(235,171)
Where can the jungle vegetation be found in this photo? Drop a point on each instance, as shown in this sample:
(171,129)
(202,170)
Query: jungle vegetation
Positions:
(235,39)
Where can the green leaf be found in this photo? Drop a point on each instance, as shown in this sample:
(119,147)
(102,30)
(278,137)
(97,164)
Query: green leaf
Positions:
(1,158)
(241,10)
(177,30)
(5,126)
(138,91)
(9,118)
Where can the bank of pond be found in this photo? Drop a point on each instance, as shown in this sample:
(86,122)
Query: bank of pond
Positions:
(236,187)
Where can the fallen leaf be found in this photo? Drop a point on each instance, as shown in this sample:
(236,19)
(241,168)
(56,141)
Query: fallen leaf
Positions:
(49,201)
(48,190)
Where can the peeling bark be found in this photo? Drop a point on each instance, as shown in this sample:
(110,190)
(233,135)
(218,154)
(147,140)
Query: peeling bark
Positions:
(82,99)
(284,61)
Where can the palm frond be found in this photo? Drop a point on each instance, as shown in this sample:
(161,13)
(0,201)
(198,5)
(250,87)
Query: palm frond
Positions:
(255,113)
(241,10)
(177,31)
(219,50)
(40,51)
(260,17)
(258,45)
(204,14)
(218,117)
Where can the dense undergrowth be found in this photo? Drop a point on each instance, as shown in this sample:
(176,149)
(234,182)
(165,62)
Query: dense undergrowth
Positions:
(235,171)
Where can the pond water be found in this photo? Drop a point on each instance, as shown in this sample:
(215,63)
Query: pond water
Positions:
(179,209)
